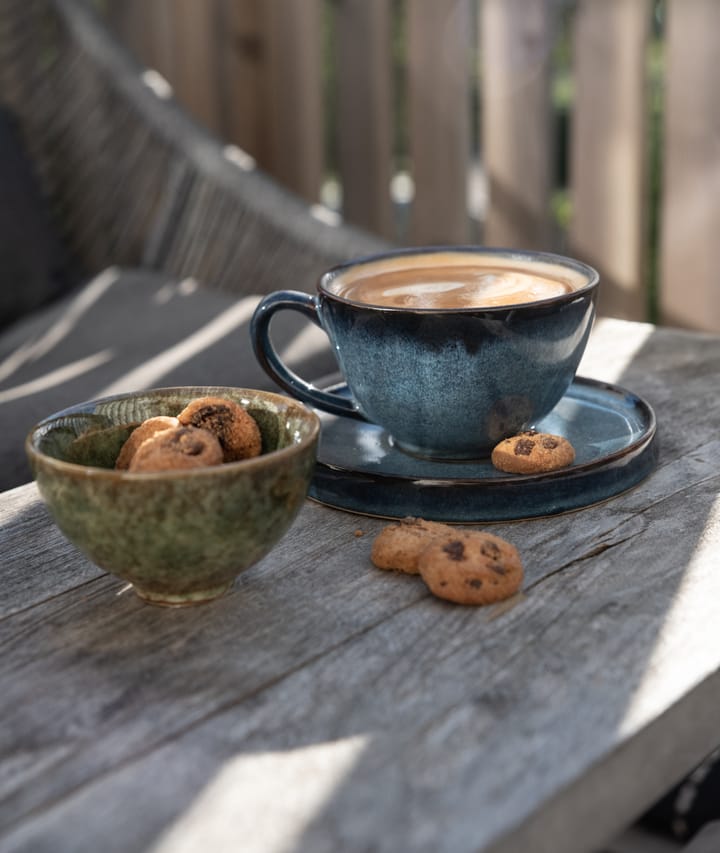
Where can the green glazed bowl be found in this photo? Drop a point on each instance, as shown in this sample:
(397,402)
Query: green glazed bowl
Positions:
(179,537)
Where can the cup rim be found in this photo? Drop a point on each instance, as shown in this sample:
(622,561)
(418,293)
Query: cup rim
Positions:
(62,465)
(519,255)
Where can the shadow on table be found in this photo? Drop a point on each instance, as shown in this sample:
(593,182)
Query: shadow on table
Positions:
(356,699)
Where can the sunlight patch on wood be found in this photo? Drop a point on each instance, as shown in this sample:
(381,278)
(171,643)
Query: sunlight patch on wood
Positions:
(692,615)
(613,362)
(242,807)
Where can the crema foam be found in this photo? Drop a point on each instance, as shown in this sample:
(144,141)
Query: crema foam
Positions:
(448,286)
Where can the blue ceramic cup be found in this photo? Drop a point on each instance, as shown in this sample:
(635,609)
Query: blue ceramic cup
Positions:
(448,349)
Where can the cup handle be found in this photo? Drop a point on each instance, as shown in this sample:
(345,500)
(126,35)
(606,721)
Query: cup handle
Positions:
(273,365)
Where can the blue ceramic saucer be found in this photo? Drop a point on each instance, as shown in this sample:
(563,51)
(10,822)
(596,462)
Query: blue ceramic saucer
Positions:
(612,430)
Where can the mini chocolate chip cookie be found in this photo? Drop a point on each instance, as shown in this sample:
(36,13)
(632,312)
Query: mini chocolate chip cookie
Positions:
(236,430)
(532,452)
(141,433)
(181,448)
(471,568)
(398,546)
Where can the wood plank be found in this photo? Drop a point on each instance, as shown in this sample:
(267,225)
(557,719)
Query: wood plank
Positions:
(516,38)
(180,39)
(690,251)
(25,519)
(293,94)
(242,61)
(262,652)
(438,97)
(349,707)
(195,73)
(161,33)
(609,148)
(363,695)
(364,112)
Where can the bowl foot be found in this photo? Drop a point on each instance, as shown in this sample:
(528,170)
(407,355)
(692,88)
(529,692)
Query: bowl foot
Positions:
(185,599)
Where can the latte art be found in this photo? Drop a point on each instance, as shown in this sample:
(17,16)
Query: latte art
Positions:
(451,286)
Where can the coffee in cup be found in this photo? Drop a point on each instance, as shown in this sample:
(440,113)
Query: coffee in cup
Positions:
(448,349)
(449,282)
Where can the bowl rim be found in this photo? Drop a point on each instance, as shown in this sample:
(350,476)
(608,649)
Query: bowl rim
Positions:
(278,455)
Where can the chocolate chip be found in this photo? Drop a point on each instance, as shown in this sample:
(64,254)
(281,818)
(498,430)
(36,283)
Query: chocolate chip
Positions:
(499,569)
(475,583)
(550,443)
(455,550)
(524,447)
(216,418)
(490,549)
(210,414)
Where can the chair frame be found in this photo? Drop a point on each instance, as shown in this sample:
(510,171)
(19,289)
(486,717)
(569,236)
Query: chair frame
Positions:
(132,179)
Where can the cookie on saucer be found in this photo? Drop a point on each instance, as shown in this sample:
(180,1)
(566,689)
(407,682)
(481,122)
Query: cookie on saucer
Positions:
(532,452)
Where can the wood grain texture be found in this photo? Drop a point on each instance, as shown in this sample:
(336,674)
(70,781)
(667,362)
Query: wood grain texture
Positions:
(690,210)
(293,94)
(241,67)
(438,93)
(324,705)
(198,41)
(178,38)
(516,38)
(364,109)
(609,150)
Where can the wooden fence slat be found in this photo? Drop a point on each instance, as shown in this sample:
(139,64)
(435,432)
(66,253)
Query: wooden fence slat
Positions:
(195,71)
(690,231)
(516,38)
(241,65)
(295,151)
(609,150)
(364,112)
(438,92)
(178,38)
(252,71)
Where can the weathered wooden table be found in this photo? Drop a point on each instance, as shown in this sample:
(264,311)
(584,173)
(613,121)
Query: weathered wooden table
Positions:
(327,706)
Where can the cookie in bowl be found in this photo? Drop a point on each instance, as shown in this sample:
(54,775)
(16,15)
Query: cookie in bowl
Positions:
(178,535)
